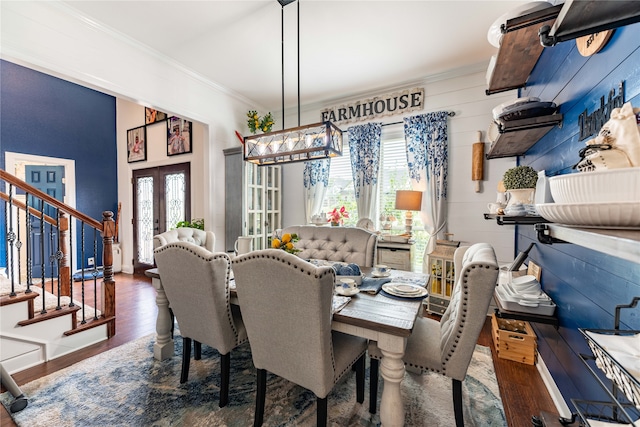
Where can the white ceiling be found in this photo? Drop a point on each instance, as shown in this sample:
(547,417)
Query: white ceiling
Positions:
(348,47)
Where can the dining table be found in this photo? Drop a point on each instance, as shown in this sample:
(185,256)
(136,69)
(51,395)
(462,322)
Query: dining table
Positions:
(379,316)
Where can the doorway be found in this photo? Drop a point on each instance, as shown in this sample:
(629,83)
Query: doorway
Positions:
(161,199)
(16,164)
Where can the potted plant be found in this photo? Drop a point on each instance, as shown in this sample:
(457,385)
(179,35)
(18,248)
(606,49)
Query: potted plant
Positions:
(194,223)
(520,183)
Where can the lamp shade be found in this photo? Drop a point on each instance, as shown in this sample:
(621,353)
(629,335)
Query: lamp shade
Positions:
(408,200)
(316,141)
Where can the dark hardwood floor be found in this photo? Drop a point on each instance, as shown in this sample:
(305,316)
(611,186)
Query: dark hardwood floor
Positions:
(521,388)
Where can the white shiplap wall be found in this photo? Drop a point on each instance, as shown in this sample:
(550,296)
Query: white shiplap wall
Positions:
(462,92)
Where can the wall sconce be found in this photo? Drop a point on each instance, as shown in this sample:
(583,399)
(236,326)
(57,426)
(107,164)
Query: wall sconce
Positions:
(408,200)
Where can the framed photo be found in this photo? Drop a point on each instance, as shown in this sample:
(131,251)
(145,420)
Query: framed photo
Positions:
(178,136)
(137,144)
(153,116)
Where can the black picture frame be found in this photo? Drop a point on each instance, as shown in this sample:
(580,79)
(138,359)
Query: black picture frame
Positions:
(152,116)
(137,144)
(179,136)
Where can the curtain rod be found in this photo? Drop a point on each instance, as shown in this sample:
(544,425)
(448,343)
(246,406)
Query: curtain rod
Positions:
(449,113)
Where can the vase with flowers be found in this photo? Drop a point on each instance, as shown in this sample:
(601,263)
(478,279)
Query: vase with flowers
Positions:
(336,216)
(256,123)
(286,243)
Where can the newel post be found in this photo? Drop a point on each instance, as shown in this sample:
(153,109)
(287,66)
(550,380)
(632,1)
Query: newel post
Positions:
(65,269)
(108,285)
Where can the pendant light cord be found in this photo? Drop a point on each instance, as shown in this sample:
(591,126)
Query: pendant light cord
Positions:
(298,63)
(282,56)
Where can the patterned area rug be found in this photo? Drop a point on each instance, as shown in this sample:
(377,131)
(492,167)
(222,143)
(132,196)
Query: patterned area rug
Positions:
(126,386)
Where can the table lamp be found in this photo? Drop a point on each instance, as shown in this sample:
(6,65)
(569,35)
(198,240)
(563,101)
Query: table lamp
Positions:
(408,200)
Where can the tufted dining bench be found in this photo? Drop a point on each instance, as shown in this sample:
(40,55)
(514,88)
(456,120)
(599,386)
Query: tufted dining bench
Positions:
(342,244)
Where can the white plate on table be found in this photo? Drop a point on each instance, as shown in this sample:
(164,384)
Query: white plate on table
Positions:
(378,275)
(346,292)
(404,290)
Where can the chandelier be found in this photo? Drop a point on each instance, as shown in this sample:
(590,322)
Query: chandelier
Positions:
(310,142)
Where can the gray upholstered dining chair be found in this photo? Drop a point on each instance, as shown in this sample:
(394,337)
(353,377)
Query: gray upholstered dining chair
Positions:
(287,308)
(446,346)
(196,283)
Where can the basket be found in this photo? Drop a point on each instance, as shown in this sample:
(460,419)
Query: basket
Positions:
(626,383)
(604,412)
(514,340)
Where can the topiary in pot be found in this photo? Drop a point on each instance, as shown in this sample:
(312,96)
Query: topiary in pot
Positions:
(520,177)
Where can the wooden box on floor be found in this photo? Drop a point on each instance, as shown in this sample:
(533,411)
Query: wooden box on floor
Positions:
(514,340)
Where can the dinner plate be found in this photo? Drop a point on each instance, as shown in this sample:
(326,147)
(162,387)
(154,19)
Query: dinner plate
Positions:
(404,290)
(346,292)
(374,274)
(620,214)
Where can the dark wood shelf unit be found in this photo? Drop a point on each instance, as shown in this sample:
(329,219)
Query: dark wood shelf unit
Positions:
(503,313)
(519,50)
(621,243)
(515,220)
(579,18)
(517,136)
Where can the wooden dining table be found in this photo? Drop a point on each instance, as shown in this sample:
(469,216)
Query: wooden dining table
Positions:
(385,319)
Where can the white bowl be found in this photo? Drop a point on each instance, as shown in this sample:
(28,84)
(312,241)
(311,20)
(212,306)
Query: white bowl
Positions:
(615,185)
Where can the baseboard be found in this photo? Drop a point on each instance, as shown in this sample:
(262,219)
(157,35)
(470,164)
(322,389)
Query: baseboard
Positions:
(552,388)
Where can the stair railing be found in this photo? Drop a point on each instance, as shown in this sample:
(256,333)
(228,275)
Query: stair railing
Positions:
(48,227)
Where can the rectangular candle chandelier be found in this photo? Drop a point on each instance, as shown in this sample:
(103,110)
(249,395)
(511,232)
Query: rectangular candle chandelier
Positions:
(309,142)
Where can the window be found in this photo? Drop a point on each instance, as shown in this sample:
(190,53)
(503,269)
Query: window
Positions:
(393,175)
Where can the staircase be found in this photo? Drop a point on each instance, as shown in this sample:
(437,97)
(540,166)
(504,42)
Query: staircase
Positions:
(45,317)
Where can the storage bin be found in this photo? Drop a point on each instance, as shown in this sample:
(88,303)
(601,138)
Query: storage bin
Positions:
(514,340)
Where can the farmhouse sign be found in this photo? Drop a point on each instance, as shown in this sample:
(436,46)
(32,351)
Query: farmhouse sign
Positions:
(378,106)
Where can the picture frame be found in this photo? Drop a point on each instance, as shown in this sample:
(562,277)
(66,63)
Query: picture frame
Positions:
(179,139)
(152,116)
(137,144)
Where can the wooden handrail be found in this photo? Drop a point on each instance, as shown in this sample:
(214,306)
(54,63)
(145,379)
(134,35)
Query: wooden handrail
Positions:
(106,228)
(50,200)
(33,211)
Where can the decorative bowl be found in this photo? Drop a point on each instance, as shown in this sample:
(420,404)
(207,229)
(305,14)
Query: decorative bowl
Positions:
(612,186)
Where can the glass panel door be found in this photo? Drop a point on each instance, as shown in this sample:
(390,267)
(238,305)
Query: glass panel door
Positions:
(161,198)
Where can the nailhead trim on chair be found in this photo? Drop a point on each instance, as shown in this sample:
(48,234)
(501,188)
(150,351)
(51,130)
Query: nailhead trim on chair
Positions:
(228,275)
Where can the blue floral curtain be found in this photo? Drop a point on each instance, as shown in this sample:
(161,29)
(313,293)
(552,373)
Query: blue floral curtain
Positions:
(316,180)
(364,147)
(428,160)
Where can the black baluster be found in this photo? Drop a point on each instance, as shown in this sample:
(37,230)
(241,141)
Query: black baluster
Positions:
(57,258)
(42,265)
(71,263)
(95,274)
(52,259)
(28,240)
(10,238)
(82,263)
(18,246)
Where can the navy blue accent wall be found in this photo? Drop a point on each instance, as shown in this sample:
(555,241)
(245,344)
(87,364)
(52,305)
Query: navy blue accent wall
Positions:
(585,284)
(46,116)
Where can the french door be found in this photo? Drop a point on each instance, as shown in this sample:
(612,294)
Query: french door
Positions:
(161,199)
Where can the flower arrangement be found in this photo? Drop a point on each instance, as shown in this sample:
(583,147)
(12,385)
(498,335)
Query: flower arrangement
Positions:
(286,243)
(256,122)
(520,177)
(194,223)
(337,216)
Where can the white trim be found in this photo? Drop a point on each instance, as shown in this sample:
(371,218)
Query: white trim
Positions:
(13,160)
(552,388)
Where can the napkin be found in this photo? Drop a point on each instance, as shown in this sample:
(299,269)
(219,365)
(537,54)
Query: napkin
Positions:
(372,285)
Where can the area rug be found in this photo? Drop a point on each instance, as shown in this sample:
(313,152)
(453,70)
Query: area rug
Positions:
(126,386)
